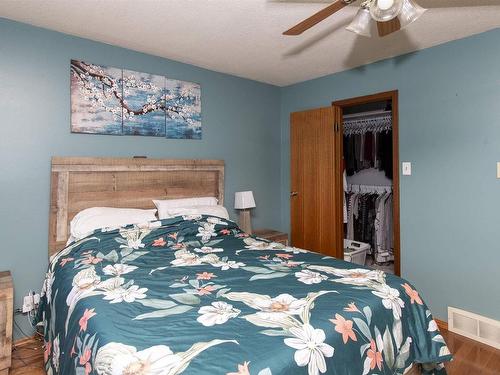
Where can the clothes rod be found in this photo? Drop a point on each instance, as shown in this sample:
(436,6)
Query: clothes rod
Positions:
(369,188)
(367,114)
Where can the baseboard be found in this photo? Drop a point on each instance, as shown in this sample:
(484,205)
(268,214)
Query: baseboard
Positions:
(442,325)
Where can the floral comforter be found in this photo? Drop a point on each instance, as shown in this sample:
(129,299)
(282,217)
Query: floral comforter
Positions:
(196,295)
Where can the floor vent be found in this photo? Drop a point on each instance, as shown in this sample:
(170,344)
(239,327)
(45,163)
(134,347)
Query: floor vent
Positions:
(474,326)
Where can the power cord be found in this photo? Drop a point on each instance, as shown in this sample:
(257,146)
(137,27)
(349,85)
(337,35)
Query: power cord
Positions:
(15,349)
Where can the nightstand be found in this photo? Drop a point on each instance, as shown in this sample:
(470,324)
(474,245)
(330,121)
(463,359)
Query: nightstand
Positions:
(6,316)
(272,235)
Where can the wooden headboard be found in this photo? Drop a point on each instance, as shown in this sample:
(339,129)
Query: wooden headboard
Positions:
(80,182)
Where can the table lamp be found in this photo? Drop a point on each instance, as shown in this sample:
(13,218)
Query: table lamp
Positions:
(244,201)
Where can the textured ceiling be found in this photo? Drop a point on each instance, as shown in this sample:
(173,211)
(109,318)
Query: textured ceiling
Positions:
(243,37)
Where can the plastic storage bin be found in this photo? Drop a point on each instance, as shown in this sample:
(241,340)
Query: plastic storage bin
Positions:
(355,252)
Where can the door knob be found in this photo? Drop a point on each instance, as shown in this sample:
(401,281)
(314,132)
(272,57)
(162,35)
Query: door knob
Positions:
(294,193)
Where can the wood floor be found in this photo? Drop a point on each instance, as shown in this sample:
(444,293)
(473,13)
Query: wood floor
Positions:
(471,357)
(27,358)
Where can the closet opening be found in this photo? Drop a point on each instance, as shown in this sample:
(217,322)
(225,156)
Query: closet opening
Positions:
(368,180)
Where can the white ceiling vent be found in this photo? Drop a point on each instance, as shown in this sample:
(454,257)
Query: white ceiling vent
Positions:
(474,326)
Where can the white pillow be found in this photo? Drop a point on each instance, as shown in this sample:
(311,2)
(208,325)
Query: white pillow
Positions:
(163,205)
(90,219)
(219,211)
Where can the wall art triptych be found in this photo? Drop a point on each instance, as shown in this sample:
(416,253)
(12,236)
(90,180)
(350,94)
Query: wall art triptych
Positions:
(106,100)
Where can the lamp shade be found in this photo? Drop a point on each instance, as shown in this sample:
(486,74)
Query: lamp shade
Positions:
(411,12)
(243,200)
(362,23)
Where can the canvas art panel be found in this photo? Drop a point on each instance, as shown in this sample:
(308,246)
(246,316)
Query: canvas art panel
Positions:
(183,108)
(95,99)
(144,104)
(106,100)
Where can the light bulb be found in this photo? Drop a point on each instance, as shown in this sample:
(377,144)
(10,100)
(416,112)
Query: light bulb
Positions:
(386,10)
(385,4)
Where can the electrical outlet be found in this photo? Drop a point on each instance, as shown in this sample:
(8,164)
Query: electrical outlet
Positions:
(498,169)
(30,301)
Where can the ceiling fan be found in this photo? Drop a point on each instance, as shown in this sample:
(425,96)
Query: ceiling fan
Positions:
(389,15)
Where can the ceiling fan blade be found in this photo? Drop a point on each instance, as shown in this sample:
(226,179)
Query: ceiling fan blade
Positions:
(456,3)
(316,18)
(388,27)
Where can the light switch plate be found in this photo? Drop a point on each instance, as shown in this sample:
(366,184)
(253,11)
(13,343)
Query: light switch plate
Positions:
(498,169)
(406,168)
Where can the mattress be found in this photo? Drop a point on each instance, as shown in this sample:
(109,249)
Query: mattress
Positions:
(196,295)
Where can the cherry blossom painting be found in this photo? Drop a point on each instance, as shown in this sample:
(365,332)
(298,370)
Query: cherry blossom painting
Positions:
(106,100)
(183,108)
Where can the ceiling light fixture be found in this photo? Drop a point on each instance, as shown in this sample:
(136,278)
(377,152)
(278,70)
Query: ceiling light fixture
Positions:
(390,16)
(407,11)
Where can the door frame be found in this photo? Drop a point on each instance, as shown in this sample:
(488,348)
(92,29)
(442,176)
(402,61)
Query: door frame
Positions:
(339,106)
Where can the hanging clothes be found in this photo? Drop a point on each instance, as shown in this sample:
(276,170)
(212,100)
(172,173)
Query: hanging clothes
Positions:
(388,226)
(349,156)
(385,153)
(369,220)
(379,222)
(357,152)
(345,200)
(368,154)
(368,150)
(368,142)
(375,155)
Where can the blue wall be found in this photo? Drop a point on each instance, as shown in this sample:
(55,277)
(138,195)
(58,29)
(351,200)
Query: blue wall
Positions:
(240,125)
(449,129)
(449,99)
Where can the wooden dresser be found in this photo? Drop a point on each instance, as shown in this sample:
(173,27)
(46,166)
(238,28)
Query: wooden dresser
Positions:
(6,316)
(272,235)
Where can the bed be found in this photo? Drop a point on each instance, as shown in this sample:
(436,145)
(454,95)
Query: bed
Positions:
(195,295)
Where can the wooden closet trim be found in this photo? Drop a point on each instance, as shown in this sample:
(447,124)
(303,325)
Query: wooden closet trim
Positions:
(338,106)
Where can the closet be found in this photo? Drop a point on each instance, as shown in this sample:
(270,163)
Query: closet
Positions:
(368,173)
(344,187)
